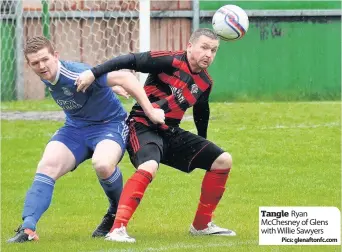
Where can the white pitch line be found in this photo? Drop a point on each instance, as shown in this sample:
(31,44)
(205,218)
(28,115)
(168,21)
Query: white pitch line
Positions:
(195,246)
(297,126)
(181,246)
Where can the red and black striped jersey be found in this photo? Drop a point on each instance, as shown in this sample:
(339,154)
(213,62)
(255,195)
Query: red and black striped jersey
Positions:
(170,85)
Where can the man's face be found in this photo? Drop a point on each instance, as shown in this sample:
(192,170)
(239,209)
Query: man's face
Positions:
(202,52)
(44,64)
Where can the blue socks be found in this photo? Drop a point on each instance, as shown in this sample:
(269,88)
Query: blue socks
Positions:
(38,200)
(38,197)
(112,186)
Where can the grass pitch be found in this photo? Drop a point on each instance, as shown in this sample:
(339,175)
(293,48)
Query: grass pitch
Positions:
(284,154)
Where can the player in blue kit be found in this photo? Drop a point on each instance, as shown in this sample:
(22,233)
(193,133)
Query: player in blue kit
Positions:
(95,128)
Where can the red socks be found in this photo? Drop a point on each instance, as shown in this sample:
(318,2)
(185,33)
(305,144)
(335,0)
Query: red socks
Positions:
(213,187)
(131,196)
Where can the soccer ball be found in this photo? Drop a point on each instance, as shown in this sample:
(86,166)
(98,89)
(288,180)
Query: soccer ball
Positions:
(230,22)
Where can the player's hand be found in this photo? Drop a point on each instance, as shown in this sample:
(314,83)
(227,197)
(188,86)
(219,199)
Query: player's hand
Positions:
(84,80)
(156,115)
(120,91)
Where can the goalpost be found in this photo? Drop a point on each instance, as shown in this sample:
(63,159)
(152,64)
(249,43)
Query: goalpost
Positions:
(144,28)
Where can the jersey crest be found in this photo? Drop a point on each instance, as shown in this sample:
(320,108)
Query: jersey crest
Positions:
(194,89)
(66,91)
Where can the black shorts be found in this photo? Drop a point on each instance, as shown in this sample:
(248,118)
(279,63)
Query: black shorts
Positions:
(174,147)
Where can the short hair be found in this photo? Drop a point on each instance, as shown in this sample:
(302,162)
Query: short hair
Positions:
(35,44)
(202,32)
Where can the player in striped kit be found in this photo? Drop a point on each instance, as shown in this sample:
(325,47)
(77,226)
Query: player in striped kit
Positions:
(95,128)
(176,81)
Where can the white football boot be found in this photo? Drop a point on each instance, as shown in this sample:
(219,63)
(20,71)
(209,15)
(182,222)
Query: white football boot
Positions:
(212,229)
(119,235)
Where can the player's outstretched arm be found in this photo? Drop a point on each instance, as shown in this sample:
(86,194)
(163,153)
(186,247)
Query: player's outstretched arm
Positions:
(146,62)
(130,83)
(86,78)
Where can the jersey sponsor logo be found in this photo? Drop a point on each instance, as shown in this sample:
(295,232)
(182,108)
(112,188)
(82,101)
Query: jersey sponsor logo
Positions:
(178,94)
(68,105)
(67,91)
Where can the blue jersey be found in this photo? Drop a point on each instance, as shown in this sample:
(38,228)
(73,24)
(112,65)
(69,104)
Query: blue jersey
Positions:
(97,105)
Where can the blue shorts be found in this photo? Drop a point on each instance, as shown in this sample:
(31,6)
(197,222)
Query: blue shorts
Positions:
(82,141)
